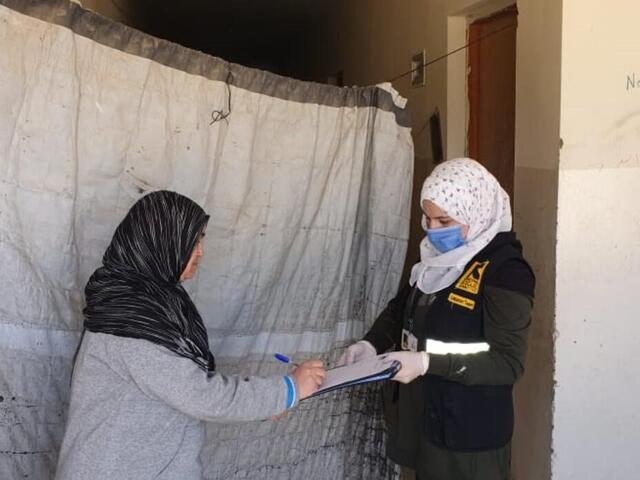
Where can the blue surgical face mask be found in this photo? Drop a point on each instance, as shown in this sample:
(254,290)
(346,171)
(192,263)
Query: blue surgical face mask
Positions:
(445,239)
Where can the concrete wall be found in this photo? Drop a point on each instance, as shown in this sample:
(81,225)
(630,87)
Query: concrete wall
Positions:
(538,75)
(596,420)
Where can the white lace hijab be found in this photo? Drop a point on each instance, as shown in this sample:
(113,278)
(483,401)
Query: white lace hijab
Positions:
(469,194)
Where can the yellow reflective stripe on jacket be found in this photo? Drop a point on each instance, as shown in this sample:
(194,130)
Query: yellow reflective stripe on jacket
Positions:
(442,348)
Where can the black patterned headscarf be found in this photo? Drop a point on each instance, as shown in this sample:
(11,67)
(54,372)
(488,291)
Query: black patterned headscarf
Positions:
(137,291)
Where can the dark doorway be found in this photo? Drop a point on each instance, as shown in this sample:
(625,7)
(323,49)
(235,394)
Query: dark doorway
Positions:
(269,35)
(492,82)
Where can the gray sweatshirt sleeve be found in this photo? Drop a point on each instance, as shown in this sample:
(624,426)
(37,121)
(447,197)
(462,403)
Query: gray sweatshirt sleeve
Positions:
(180,383)
(507,315)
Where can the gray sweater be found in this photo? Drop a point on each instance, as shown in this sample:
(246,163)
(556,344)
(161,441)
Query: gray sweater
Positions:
(137,410)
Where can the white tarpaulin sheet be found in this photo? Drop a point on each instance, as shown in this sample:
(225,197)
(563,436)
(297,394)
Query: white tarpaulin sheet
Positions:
(308,190)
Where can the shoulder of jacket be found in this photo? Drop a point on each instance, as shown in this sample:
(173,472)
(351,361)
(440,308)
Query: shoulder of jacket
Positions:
(512,273)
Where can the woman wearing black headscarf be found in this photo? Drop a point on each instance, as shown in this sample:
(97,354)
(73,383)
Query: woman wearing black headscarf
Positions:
(144,378)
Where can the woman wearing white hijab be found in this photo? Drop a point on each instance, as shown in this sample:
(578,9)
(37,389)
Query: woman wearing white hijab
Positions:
(460,330)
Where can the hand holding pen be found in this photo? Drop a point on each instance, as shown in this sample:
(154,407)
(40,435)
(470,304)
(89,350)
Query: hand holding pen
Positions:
(308,375)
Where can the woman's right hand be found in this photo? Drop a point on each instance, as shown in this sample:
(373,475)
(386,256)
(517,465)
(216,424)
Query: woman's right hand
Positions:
(308,377)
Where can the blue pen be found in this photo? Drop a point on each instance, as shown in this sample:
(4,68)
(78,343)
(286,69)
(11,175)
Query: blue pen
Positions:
(285,359)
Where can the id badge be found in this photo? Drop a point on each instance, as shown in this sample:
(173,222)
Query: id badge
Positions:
(409,341)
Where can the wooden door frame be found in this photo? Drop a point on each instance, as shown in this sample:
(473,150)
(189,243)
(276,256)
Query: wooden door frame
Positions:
(474,86)
(461,15)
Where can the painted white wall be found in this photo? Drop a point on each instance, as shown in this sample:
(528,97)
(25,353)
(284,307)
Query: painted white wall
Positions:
(596,420)
(538,74)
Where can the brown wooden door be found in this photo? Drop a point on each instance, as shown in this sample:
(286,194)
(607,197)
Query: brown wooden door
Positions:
(492,81)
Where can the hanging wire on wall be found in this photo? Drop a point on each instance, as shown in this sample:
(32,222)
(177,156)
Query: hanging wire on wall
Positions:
(220,114)
(442,57)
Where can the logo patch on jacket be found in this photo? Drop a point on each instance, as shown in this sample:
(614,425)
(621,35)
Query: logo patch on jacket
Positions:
(472,278)
(461,301)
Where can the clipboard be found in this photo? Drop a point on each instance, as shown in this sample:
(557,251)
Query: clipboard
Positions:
(369,370)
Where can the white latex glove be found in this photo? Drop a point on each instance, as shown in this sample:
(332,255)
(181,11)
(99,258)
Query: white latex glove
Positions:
(356,352)
(414,364)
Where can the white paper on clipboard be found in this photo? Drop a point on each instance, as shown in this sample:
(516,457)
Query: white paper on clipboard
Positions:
(373,369)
